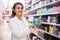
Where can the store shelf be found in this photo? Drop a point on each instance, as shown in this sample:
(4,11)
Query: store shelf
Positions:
(28,6)
(45,14)
(38,36)
(52,3)
(35,2)
(51,23)
(49,14)
(49,33)
(28,11)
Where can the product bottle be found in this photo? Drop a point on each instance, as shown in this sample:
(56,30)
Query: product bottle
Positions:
(55,30)
(50,29)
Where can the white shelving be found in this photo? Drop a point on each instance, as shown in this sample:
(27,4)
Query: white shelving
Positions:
(45,32)
(48,33)
(42,14)
(52,3)
(38,36)
(45,14)
(28,11)
(51,23)
(35,2)
(28,6)
(47,4)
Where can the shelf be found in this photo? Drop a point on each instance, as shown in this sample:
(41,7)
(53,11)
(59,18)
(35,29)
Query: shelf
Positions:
(45,14)
(47,5)
(28,6)
(51,23)
(38,36)
(48,33)
(52,3)
(28,11)
(36,2)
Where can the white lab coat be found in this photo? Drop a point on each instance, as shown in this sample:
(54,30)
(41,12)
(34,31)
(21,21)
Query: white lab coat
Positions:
(19,28)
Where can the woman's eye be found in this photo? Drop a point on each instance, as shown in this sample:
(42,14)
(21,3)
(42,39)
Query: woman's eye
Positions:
(18,8)
(21,8)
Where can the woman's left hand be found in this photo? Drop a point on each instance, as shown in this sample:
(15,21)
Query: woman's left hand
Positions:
(31,26)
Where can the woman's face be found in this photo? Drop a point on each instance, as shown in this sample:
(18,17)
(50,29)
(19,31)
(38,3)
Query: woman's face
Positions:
(18,10)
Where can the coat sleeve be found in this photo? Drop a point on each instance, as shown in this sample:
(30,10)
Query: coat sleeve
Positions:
(19,33)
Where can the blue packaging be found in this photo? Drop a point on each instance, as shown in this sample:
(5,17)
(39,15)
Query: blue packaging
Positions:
(36,21)
(58,20)
(33,12)
(55,30)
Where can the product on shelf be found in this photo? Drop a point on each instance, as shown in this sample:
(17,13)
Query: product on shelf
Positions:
(39,11)
(59,8)
(36,21)
(45,10)
(44,19)
(50,29)
(58,20)
(33,12)
(48,1)
(55,9)
(40,4)
(30,13)
(54,19)
(58,33)
(55,30)
(48,19)
(45,28)
(29,2)
(51,19)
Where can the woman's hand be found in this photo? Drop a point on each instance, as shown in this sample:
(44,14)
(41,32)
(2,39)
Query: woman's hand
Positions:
(31,26)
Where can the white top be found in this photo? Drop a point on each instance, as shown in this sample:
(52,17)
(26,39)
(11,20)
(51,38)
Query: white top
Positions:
(19,28)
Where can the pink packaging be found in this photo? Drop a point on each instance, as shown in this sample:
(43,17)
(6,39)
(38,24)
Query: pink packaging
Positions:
(55,9)
(59,8)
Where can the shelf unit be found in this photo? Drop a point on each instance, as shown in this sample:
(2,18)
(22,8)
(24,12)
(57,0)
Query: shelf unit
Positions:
(49,4)
(28,6)
(48,33)
(38,36)
(35,2)
(44,14)
(51,23)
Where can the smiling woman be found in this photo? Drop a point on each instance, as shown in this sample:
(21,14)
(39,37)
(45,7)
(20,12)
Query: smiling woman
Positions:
(18,24)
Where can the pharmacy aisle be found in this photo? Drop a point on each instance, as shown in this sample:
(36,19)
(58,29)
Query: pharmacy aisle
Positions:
(45,14)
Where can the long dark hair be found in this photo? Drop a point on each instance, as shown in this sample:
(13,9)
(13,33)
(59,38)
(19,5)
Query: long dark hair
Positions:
(13,13)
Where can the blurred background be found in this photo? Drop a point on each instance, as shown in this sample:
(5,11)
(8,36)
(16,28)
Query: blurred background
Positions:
(5,13)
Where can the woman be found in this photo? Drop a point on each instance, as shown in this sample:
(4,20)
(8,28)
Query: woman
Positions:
(18,24)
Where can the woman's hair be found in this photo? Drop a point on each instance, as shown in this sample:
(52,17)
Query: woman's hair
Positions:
(13,13)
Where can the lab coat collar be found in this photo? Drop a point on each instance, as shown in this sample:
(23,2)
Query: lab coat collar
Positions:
(17,18)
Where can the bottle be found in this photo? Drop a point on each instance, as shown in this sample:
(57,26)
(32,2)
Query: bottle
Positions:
(55,30)
(50,29)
